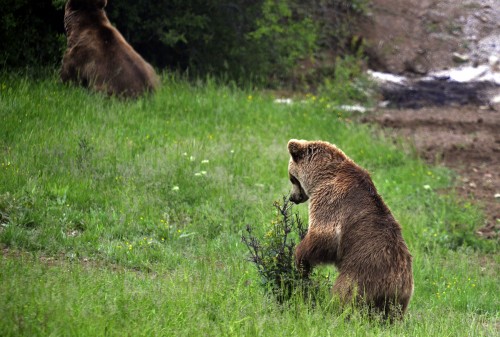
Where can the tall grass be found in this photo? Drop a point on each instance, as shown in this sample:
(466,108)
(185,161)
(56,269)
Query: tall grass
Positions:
(125,217)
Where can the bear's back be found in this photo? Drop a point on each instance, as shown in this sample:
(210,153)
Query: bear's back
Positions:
(102,57)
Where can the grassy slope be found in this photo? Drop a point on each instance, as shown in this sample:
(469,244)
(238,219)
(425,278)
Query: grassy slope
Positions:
(125,218)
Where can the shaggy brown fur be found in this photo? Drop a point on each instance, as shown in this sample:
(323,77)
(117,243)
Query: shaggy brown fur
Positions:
(351,227)
(98,56)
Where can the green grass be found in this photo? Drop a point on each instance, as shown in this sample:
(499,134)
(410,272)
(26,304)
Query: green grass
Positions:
(125,218)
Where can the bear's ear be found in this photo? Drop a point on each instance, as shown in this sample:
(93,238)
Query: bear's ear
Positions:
(296,149)
(101,4)
(86,4)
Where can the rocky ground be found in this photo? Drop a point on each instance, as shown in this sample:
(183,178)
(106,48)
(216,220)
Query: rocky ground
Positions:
(465,139)
(407,36)
(415,38)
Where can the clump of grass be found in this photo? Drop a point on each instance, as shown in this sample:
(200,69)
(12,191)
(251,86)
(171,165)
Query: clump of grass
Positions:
(273,254)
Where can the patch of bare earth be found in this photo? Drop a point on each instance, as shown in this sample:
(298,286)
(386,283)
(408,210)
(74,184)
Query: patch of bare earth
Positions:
(408,36)
(465,139)
(417,37)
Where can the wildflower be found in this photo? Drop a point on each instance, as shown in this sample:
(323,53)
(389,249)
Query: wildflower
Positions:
(197,174)
(249,97)
(427,187)
(175,188)
(192,158)
(205,161)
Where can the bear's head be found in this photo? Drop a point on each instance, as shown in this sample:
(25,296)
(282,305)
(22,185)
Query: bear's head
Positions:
(86,4)
(311,164)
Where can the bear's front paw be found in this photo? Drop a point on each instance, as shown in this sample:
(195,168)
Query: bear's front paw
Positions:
(303,266)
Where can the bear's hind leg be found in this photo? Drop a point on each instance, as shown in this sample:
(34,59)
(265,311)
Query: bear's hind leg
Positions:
(68,70)
(345,289)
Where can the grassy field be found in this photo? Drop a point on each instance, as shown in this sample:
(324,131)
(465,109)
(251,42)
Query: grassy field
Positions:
(125,218)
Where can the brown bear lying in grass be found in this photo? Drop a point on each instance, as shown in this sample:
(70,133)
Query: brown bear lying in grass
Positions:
(351,227)
(98,56)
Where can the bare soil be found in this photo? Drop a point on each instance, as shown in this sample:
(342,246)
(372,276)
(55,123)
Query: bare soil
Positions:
(417,37)
(465,139)
(408,36)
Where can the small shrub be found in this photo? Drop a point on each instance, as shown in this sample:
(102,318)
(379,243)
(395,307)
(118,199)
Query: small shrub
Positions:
(273,254)
(349,83)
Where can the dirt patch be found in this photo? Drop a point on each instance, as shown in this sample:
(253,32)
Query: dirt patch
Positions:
(465,139)
(450,123)
(407,36)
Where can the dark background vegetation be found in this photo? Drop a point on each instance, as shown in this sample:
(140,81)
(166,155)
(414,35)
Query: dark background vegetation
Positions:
(265,41)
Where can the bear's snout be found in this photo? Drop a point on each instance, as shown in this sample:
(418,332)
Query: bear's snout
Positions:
(298,198)
(297,195)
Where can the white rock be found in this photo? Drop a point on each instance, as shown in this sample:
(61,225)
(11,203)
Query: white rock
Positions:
(494,62)
(460,58)
(385,77)
(469,74)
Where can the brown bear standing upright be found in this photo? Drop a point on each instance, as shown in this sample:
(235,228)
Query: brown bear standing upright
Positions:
(351,227)
(98,56)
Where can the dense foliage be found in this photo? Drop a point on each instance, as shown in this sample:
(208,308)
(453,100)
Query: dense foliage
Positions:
(261,41)
(31,32)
